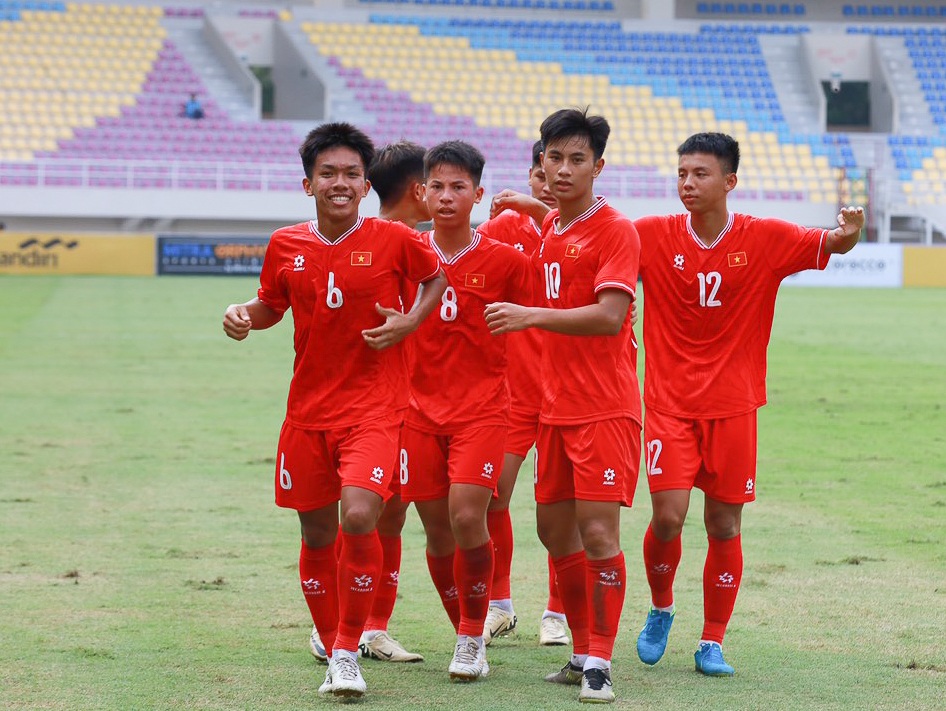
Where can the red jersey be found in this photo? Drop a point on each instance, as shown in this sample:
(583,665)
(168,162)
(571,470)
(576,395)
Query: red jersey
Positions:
(523,348)
(709,309)
(589,378)
(332,288)
(458,368)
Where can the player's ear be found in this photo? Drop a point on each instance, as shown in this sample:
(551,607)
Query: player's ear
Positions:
(307,186)
(478,193)
(731,181)
(367,187)
(599,165)
(418,189)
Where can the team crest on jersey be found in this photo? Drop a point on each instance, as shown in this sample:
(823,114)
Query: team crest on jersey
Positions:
(474,281)
(678,261)
(361,259)
(737,259)
(572,251)
(298,264)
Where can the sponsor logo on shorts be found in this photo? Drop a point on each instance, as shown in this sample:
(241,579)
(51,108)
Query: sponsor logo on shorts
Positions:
(377,475)
(608,477)
(487,472)
(750,486)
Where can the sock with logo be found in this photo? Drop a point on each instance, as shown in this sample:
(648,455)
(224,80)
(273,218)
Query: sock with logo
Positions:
(721,577)
(661,559)
(441,572)
(607,584)
(554,605)
(358,571)
(573,588)
(500,533)
(386,594)
(318,574)
(473,572)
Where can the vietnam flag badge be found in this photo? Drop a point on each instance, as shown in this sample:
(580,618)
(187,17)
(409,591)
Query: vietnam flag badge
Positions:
(572,251)
(737,259)
(361,259)
(474,281)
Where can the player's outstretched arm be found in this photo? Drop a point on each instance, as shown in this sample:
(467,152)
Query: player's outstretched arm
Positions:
(842,239)
(520,202)
(604,318)
(240,319)
(398,326)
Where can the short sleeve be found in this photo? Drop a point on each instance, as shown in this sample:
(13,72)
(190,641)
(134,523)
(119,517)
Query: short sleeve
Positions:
(620,259)
(649,230)
(418,261)
(793,248)
(272,291)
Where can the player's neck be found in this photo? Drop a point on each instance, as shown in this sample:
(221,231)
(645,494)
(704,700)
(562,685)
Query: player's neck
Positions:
(452,239)
(332,230)
(399,213)
(569,210)
(708,225)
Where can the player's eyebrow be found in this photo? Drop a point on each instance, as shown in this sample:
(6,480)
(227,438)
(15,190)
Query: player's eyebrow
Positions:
(333,166)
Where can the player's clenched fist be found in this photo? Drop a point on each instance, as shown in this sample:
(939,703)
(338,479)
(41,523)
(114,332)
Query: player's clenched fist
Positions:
(504,317)
(237,322)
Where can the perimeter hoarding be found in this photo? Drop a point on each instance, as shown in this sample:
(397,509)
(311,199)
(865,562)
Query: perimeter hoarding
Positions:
(202,255)
(76,253)
(877,265)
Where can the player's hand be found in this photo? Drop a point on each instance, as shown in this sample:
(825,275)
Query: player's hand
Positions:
(634,313)
(396,327)
(236,322)
(850,221)
(507,200)
(502,317)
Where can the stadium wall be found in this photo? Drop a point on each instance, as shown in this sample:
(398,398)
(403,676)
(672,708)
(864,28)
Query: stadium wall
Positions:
(65,253)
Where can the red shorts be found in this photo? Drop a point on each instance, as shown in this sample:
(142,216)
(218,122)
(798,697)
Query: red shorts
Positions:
(431,463)
(520,436)
(598,461)
(312,466)
(717,456)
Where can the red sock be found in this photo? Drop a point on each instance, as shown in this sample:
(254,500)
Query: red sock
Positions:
(573,588)
(555,600)
(661,559)
(721,577)
(441,572)
(607,583)
(318,574)
(386,593)
(358,571)
(473,571)
(500,532)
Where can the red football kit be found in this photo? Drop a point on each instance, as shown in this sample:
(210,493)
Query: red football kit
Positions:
(588,379)
(458,371)
(523,348)
(709,318)
(339,383)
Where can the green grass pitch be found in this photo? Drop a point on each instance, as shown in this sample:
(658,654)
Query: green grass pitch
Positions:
(144,566)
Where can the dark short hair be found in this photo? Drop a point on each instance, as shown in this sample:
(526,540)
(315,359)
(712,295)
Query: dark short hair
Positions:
(537,148)
(724,147)
(394,168)
(331,135)
(456,153)
(573,123)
